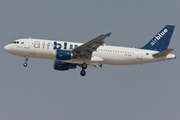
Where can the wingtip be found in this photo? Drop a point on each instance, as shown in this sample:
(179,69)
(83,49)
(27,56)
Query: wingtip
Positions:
(108,34)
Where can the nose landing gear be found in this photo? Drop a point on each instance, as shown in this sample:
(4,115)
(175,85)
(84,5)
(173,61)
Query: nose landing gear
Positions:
(25,64)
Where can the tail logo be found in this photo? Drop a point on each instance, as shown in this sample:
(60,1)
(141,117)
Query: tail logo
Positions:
(160,35)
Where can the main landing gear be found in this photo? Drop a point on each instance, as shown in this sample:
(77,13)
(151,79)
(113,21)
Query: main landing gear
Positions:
(25,64)
(83,72)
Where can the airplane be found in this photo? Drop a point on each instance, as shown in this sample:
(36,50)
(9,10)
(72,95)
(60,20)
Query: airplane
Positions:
(69,55)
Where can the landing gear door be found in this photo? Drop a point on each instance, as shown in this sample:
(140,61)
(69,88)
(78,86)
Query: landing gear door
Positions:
(27,43)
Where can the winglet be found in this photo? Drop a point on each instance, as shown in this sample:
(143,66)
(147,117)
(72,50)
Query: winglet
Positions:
(108,34)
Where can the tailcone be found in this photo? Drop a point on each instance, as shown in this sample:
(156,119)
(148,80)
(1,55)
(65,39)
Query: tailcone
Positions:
(171,56)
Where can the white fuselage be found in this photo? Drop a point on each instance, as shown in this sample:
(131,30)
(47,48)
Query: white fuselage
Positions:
(111,55)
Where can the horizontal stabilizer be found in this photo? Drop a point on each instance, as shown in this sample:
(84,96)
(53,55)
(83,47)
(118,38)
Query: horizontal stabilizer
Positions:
(163,53)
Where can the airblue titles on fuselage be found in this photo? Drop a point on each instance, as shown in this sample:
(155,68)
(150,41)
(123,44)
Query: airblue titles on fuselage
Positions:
(58,46)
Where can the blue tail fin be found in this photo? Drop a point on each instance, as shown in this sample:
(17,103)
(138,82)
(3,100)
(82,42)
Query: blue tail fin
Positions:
(161,41)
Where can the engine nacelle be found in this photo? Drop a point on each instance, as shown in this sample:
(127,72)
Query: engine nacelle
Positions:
(62,66)
(63,55)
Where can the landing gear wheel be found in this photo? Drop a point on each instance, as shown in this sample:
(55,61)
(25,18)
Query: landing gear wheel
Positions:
(26,60)
(83,72)
(84,66)
(25,64)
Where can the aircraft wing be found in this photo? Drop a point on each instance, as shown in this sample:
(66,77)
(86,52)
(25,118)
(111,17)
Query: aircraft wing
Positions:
(86,49)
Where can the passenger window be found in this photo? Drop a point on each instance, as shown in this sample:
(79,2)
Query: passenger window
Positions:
(17,42)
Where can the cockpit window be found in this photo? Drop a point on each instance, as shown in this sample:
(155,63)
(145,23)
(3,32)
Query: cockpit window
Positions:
(15,42)
(22,42)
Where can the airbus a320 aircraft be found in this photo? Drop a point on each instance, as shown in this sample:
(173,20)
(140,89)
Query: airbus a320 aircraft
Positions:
(69,55)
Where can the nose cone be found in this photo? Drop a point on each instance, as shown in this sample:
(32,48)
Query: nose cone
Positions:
(7,48)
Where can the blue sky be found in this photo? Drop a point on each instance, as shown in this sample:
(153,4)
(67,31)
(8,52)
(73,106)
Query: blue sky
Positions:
(138,92)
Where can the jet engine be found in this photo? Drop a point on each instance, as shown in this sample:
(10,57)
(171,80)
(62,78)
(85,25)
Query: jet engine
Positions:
(62,66)
(63,55)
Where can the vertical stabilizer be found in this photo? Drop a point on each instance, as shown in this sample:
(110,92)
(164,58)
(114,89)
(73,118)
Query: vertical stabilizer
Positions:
(160,41)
